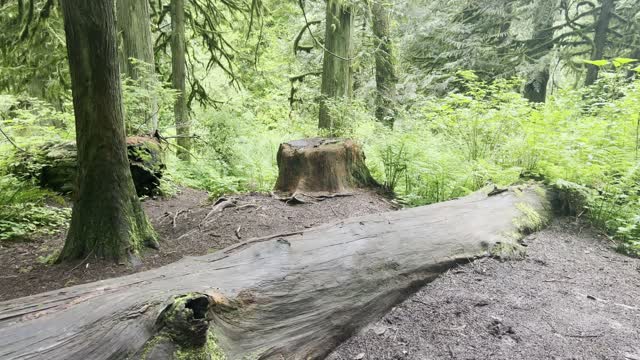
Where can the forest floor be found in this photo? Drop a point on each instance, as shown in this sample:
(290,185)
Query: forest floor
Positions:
(187,226)
(573,297)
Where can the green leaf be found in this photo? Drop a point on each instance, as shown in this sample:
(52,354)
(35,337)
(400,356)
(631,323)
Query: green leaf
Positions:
(636,69)
(468,75)
(598,63)
(617,62)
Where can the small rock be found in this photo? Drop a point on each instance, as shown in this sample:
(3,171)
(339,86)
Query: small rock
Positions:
(379,330)
(359,356)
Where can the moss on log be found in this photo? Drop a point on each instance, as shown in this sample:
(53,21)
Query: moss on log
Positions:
(54,165)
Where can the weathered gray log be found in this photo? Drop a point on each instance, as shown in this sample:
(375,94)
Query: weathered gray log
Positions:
(290,296)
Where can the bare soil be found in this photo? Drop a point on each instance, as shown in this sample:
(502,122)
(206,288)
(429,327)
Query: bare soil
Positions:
(187,226)
(572,297)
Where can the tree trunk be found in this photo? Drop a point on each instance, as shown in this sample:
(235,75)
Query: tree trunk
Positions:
(107,219)
(134,26)
(290,296)
(535,89)
(385,73)
(321,166)
(178,67)
(600,39)
(336,64)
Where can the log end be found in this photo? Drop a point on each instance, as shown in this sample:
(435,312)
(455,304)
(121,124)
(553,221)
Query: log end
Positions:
(535,211)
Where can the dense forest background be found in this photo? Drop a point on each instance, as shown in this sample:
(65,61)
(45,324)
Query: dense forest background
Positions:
(445,97)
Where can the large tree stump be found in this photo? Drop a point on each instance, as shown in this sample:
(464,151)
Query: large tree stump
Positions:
(290,296)
(321,165)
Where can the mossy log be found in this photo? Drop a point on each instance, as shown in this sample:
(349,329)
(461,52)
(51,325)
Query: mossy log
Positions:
(289,296)
(54,165)
(320,165)
(146,164)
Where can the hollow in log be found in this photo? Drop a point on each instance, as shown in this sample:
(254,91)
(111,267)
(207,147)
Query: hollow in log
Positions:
(289,296)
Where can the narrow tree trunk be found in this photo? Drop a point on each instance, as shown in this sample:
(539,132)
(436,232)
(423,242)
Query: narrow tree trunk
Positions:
(178,67)
(107,219)
(535,89)
(288,296)
(336,64)
(385,73)
(600,39)
(135,28)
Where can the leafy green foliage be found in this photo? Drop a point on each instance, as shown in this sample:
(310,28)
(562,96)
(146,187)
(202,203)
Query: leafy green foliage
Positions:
(25,211)
(446,147)
(139,93)
(32,51)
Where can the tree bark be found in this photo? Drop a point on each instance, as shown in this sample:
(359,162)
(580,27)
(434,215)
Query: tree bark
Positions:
(600,39)
(336,63)
(385,73)
(107,219)
(290,296)
(134,25)
(535,90)
(178,67)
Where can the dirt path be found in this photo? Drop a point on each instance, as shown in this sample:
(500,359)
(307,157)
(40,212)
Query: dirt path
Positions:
(572,298)
(187,226)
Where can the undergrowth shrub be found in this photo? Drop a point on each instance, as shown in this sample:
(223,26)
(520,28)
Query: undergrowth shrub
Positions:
(27,211)
(585,140)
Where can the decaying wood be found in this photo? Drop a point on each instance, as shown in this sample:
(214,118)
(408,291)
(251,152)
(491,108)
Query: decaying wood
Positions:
(320,166)
(289,296)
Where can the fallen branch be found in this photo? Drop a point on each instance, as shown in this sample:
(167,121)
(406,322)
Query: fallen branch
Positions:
(175,217)
(11,141)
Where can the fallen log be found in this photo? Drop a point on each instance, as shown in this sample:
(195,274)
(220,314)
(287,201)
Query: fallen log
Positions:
(288,296)
(54,165)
